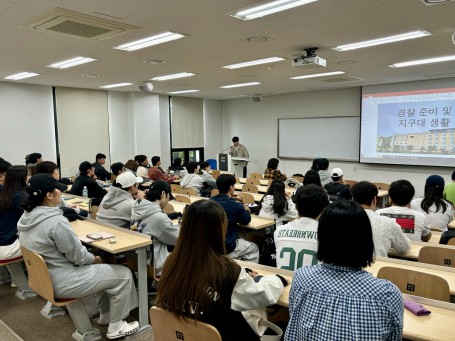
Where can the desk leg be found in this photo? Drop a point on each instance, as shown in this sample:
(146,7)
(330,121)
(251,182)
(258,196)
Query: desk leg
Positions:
(143,296)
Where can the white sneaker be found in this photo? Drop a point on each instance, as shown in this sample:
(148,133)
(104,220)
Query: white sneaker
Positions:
(126,329)
(13,285)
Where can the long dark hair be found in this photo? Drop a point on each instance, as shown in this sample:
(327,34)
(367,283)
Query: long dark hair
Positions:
(280,203)
(15,181)
(434,195)
(198,262)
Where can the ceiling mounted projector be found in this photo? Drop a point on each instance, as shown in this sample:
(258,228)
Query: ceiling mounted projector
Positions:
(146,87)
(309,60)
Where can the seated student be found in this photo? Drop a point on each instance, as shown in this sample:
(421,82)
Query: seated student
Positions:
(177,169)
(87,179)
(192,179)
(237,213)
(4,166)
(100,172)
(33,158)
(449,190)
(142,166)
(337,185)
(200,282)
(412,222)
(11,199)
(438,212)
(296,242)
(150,219)
(49,167)
(387,234)
(311,177)
(115,208)
(117,168)
(209,180)
(447,235)
(74,271)
(131,166)
(338,300)
(156,173)
(272,172)
(324,174)
(277,204)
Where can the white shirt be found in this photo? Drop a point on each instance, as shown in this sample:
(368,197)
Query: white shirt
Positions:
(387,234)
(412,222)
(267,211)
(435,219)
(142,172)
(296,244)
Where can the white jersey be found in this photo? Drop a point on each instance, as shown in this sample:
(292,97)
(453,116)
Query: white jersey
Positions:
(296,244)
(412,222)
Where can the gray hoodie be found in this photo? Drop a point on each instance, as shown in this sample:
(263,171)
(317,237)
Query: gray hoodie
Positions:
(115,208)
(325,177)
(154,222)
(44,230)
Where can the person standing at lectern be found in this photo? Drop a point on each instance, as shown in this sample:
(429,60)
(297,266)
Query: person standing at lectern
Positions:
(237,149)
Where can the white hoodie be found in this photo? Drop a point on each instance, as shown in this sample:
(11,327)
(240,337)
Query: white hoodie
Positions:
(267,211)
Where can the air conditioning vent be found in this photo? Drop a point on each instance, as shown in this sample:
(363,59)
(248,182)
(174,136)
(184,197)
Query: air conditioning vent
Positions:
(78,25)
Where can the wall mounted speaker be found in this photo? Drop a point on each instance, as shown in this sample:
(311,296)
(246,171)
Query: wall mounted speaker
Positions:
(146,87)
(256,98)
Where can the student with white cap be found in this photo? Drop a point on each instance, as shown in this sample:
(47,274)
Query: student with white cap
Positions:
(337,185)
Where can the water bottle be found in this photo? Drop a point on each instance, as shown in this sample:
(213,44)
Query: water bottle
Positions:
(85,192)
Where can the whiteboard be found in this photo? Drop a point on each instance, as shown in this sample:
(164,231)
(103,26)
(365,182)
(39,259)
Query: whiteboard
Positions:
(335,138)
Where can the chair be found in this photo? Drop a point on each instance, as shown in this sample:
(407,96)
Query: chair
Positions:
(382,186)
(189,191)
(16,271)
(350,182)
(214,192)
(417,283)
(40,281)
(215,173)
(451,241)
(182,198)
(256,176)
(169,209)
(213,164)
(237,180)
(437,256)
(168,327)
(176,188)
(298,178)
(253,181)
(250,188)
(248,198)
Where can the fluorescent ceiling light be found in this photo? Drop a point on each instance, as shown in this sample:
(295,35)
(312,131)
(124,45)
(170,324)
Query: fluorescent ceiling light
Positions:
(319,75)
(109,86)
(173,76)
(424,61)
(254,62)
(385,40)
(71,62)
(269,8)
(150,41)
(21,75)
(182,92)
(239,85)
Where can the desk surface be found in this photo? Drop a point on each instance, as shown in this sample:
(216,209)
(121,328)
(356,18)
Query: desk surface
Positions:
(126,239)
(413,253)
(264,182)
(263,189)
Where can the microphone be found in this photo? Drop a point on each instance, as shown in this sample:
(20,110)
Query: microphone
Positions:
(225,150)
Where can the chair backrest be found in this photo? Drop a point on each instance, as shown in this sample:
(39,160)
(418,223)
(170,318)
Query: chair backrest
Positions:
(250,188)
(39,279)
(168,327)
(169,209)
(189,191)
(215,173)
(176,188)
(256,176)
(298,178)
(213,164)
(182,198)
(248,198)
(417,283)
(253,181)
(350,182)
(437,256)
(237,180)
(382,186)
(214,192)
(451,241)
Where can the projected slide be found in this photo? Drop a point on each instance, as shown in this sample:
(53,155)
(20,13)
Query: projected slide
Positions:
(409,127)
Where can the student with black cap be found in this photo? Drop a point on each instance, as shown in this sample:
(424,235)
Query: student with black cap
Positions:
(87,179)
(150,219)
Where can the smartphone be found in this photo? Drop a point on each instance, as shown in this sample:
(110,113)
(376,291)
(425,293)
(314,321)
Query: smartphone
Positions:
(94,236)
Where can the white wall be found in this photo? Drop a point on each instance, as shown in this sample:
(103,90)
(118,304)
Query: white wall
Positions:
(119,127)
(165,131)
(214,142)
(26,122)
(256,124)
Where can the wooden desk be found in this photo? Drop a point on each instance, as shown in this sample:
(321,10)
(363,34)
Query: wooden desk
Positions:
(126,240)
(74,199)
(257,223)
(193,198)
(263,189)
(263,182)
(436,326)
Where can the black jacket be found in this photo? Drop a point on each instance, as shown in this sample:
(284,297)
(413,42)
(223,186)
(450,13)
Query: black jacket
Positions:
(100,172)
(94,190)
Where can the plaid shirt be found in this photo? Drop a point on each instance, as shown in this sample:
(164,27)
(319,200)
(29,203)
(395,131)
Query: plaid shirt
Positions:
(274,174)
(329,302)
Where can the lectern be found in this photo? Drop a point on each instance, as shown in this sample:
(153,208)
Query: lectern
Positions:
(224,162)
(240,164)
